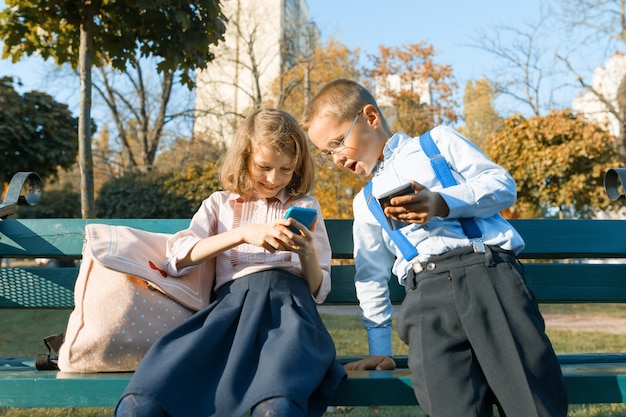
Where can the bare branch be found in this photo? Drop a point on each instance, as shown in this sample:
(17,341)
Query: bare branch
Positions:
(523,73)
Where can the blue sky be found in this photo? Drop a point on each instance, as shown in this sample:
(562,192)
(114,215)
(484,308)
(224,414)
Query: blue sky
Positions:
(446,24)
(449,25)
(452,27)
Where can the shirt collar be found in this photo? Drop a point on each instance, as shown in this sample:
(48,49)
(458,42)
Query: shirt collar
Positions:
(282,196)
(391,147)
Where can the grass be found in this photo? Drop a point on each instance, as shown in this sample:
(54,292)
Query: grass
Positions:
(22,331)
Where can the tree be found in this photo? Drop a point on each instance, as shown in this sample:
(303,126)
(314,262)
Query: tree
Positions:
(98,32)
(558,162)
(328,61)
(263,41)
(187,152)
(138,102)
(525,66)
(55,203)
(141,195)
(233,85)
(420,90)
(179,193)
(335,189)
(601,24)
(479,113)
(36,133)
(195,183)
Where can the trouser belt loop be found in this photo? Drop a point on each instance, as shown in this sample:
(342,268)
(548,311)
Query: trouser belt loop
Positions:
(489,261)
(411,282)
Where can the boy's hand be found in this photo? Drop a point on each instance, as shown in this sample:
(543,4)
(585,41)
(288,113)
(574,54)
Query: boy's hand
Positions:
(418,207)
(371,363)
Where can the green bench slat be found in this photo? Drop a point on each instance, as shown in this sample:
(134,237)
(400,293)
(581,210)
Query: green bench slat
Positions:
(28,388)
(545,239)
(53,238)
(553,283)
(571,283)
(548,238)
(550,282)
(340,236)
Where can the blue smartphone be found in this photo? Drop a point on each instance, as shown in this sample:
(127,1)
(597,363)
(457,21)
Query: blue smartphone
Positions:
(304,215)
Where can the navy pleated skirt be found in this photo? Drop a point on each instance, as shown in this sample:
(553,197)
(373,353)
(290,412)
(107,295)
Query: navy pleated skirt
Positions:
(261,338)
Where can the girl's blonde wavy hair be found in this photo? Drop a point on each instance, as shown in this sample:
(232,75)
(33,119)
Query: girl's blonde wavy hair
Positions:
(278,130)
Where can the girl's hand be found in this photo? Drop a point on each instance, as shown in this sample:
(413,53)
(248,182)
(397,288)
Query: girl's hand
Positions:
(275,236)
(264,235)
(418,207)
(301,243)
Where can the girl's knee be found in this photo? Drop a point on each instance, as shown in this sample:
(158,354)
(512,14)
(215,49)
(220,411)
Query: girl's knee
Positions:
(277,406)
(139,406)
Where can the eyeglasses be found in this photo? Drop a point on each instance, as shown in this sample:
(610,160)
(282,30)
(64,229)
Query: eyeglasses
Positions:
(326,157)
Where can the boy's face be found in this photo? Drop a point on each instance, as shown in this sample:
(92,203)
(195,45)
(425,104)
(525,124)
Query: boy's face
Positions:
(355,149)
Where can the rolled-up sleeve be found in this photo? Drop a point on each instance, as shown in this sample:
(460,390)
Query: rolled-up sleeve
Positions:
(181,243)
(373,261)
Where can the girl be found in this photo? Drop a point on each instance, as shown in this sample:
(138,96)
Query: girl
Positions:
(261,345)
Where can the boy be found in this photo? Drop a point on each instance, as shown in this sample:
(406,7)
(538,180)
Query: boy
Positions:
(476,337)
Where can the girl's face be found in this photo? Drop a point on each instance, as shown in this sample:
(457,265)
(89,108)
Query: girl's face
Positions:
(270,170)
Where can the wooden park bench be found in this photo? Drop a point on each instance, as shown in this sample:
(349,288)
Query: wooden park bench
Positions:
(565,263)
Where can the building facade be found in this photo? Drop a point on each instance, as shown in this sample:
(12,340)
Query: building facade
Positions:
(606,80)
(262,40)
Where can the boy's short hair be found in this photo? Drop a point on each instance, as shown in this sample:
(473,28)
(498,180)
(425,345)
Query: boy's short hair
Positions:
(340,98)
(281,132)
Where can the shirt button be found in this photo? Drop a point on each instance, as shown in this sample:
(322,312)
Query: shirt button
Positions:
(430,266)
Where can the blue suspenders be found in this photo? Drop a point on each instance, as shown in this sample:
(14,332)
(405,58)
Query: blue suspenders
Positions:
(408,250)
(442,170)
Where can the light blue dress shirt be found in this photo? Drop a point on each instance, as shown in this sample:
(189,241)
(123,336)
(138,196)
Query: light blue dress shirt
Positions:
(483,189)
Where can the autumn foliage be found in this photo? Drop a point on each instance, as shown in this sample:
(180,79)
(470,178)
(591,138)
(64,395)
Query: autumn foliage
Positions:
(558,162)
(424,96)
(335,189)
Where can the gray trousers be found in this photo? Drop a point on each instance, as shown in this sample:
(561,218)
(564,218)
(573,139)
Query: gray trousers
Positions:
(476,338)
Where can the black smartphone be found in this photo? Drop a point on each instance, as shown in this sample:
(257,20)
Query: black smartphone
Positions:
(384,199)
(304,215)
(404,189)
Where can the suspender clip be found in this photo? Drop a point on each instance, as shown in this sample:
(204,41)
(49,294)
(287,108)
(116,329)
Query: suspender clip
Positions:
(478,245)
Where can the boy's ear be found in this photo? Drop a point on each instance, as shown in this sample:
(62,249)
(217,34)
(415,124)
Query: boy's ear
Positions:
(372,115)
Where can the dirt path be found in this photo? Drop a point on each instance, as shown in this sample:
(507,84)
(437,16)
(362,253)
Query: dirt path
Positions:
(606,324)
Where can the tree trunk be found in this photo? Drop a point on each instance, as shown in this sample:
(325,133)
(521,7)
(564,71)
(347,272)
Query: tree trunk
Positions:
(85,159)
(620,139)
(157,131)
